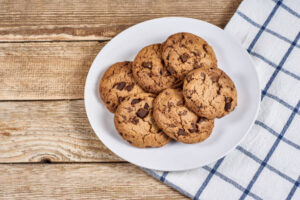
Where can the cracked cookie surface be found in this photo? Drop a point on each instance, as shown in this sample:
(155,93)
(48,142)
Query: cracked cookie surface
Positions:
(149,70)
(134,122)
(209,92)
(183,52)
(116,84)
(177,121)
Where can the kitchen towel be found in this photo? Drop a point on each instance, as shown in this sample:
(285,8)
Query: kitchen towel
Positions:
(266,165)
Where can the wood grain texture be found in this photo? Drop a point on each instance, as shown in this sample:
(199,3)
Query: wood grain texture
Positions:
(81,181)
(45,70)
(54,131)
(98,20)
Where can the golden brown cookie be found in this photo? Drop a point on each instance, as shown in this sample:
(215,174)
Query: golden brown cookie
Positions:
(177,121)
(149,70)
(183,52)
(134,122)
(116,84)
(209,92)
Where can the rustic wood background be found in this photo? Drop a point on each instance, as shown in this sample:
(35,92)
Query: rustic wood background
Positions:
(47,147)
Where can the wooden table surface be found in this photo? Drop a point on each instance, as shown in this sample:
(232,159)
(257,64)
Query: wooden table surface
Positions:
(47,148)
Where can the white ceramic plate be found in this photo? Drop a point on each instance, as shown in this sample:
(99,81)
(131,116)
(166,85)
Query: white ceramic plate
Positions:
(228,131)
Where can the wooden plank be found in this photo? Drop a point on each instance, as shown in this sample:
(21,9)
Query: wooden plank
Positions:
(45,70)
(54,131)
(81,181)
(97,20)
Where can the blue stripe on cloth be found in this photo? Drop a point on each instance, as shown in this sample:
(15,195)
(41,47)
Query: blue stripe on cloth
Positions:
(275,66)
(261,124)
(278,68)
(169,183)
(293,190)
(289,9)
(163,176)
(232,182)
(274,146)
(266,29)
(264,26)
(281,101)
(209,176)
(256,159)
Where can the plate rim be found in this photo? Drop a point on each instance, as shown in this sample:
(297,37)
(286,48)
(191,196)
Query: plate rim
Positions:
(258,98)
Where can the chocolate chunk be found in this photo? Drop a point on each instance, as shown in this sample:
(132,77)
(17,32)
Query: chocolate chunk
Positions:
(135,120)
(193,129)
(120,99)
(200,119)
(189,77)
(228,101)
(195,53)
(120,85)
(202,75)
(171,70)
(197,65)
(135,101)
(182,113)
(214,78)
(129,87)
(147,65)
(142,113)
(181,131)
(205,48)
(146,106)
(184,57)
(179,103)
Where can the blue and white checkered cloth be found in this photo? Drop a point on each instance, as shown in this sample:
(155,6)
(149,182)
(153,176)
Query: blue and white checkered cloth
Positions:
(267,163)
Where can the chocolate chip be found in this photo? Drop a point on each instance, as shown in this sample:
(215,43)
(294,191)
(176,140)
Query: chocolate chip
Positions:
(172,125)
(152,96)
(196,65)
(167,93)
(195,53)
(108,102)
(181,131)
(182,113)
(120,85)
(214,78)
(184,57)
(205,48)
(200,119)
(228,101)
(193,129)
(202,75)
(135,101)
(120,99)
(142,113)
(129,87)
(146,106)
(135,120)
(189,77)
(147,65)
(191,41)
(160,72)
(171,70)
(179,103)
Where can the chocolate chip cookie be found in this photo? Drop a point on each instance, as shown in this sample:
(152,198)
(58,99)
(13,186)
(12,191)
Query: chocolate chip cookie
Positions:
(116,84)
(134,122)
(209,92)
(177,121)
(149,70)
(183,52)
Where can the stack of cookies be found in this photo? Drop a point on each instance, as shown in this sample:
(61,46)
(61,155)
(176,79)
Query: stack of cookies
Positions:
(172,90)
